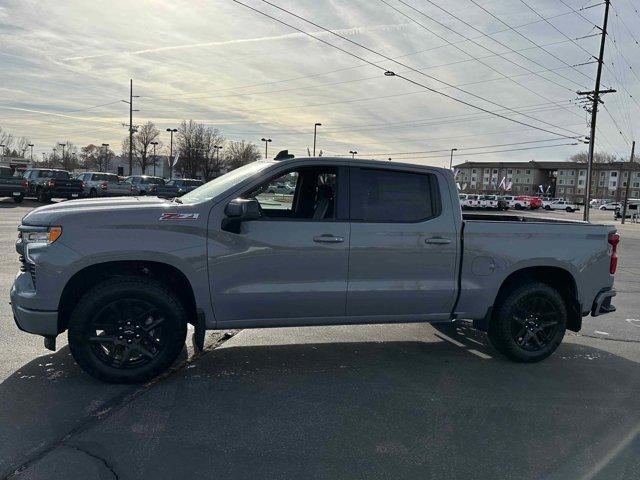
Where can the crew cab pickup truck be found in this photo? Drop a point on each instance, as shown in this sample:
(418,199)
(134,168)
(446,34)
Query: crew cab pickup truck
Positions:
(177,187)
(359,241)
(11,186)
(48,183)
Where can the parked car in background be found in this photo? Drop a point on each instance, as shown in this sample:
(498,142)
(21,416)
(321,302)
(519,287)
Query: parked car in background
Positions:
(47,183)
(503,204)
(489,201)
(143,184)
(549,201)
(177,187)
(12,186)
(216,259)
(280,189)
(472,201)
(521,202)
(535,203)
(562,205)
(100,184)
(610,206)
(632,211)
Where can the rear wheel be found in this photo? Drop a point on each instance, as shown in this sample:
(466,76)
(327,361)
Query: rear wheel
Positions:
(547,207)
(18,199)
(529,324)
(569,209)
(127,330)
(93,193)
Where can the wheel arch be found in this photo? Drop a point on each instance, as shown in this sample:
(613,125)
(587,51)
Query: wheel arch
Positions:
(556,277)
(86,278)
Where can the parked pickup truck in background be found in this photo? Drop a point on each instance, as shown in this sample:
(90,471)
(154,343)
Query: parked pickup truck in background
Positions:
(177,187)
(48,183)
(359,241)
(100,184)
(143,184)
(11,186)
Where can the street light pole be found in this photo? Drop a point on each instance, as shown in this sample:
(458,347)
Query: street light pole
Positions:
(106,151)
(171,131)
(266,144)
(626,192)
(154,157)
(451,158)
(2,152)
(353,153)
(62,145)
(31,146)
(315,134)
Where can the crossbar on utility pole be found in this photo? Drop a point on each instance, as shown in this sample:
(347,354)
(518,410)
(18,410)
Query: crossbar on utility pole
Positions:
(594,112)
(626,192)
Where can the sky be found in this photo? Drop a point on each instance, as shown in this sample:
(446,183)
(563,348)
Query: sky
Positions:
(497,80)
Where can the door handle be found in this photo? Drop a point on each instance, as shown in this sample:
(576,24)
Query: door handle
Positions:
(328,238)
(437,241)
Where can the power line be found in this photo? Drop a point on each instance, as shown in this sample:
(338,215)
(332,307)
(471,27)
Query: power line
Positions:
(464,102)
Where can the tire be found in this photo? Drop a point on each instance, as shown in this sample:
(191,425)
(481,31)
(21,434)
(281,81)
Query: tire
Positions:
(142,193)
(42,196)
(569,209)
(518,328)
(518,206)
(93,193)
(109,348)
(18,199)
(547,207)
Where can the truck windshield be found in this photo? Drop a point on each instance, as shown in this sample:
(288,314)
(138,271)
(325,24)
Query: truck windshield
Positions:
(218,185)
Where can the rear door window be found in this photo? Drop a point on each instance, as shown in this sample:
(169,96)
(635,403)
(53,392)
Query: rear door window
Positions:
(380,195)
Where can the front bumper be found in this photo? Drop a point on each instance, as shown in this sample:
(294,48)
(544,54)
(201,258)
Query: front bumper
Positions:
(40,322)
(602,303)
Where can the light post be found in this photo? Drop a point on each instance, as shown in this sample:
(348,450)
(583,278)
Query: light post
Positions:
(451,158)
(171,131)
(154,157)
(315,134)
(106,152)
(2,152)
(217,148)
(266,145)
(353,153)
(31,147)
(62,145)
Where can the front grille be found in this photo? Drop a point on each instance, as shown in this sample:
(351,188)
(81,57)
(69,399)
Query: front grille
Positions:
(28,267)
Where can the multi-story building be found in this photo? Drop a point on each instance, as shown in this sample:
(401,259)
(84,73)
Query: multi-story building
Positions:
(557,179)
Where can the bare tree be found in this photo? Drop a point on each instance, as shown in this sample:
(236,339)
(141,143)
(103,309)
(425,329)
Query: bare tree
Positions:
(240,153)
(190,144)
(6,139)
(67,157)
(22,145)
(211,161)
(598,157)
(146,134)
(95,157)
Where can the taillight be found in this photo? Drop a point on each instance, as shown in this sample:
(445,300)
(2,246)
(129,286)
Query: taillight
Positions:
(51,183)
(83,185)
(614,240)
(25,184)
(103,185)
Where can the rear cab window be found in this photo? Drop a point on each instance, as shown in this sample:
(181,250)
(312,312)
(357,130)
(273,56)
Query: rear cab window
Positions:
(390,196)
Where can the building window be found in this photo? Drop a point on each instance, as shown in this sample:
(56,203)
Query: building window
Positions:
(601,183)
(518,172)
(602,174)
(495,171)
(572,172)
(509,172)
(561,190)
(614,174)
(561,182)
(580,182)
(473,171)
(582,172)
(636,184)
(571,182)
(624,184)
(613,184)
(528,172)
(526,189)
(486,170)
(561,172)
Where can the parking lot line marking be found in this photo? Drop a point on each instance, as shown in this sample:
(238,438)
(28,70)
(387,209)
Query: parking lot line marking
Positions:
(484,356)
(634,321)
(442,336)
(601,333)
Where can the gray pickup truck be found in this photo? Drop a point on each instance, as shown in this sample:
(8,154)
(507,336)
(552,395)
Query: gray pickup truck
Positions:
(358,242)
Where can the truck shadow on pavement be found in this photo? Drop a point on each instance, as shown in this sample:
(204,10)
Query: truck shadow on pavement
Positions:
(357,409)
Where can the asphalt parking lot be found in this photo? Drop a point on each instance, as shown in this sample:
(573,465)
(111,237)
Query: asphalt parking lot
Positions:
(398,401)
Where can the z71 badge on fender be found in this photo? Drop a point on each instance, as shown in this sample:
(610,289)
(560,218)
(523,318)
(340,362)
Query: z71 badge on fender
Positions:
(179,216)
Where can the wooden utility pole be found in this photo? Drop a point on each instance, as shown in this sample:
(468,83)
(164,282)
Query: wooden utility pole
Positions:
(131,127)
(595,97)
(626,191)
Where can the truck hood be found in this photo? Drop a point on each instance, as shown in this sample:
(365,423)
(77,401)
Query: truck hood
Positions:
(50,214)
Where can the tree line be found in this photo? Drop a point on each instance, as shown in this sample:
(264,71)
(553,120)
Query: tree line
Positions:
(202,151)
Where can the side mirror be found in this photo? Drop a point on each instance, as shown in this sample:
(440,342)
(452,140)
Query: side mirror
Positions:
(240,210)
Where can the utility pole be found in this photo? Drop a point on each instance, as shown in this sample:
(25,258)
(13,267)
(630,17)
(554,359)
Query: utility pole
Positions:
(315,133)
(155,160)
(626,192)
(106,153)
(131,127)
(171,131)
(595,97)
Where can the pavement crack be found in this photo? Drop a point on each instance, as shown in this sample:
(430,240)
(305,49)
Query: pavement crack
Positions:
(97,457)
(114,405)
(622,340)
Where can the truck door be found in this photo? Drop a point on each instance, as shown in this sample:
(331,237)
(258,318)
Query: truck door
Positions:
(403,245)
(291,263)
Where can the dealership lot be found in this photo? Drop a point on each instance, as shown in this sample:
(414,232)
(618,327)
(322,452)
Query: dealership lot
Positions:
(401,401)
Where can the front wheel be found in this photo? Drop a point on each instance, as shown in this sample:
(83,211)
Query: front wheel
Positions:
(547,207)
(18,199)
(127,330)
(42,196)
(529,323)
(569,209)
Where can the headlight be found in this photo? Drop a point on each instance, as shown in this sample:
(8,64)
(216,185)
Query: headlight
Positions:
(45,235)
